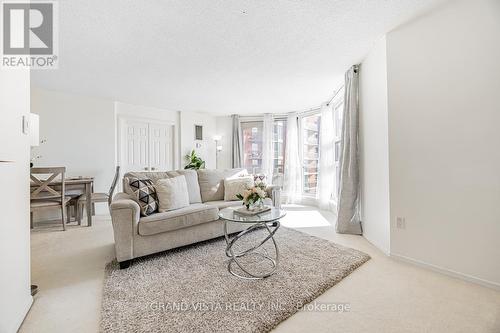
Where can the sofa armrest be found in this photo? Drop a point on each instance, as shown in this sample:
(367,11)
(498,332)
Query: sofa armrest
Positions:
(121,196)
(125,215)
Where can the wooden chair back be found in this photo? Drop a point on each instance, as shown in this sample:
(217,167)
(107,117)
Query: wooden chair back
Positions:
(113,185)
(42,188)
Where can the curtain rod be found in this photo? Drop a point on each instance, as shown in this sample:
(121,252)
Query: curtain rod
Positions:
(336,92)
(335,95)
(299,112)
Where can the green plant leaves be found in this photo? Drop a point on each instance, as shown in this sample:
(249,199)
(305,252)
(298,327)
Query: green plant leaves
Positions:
(194,162)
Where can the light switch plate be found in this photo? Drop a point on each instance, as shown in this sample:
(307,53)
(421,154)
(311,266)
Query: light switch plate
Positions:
(400,222)
(26,125)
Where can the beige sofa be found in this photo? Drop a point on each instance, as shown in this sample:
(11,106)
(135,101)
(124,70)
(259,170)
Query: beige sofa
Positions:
(137,236)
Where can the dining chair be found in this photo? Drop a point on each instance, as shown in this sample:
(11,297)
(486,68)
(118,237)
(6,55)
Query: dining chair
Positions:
(44,195)
(98,197)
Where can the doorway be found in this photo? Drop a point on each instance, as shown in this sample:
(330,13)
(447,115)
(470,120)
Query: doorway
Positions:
(146,145)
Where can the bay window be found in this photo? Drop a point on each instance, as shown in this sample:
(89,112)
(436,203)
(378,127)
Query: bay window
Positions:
(338,106)
(252,146)
(308,150)
(279,143)
(252,134)
(310,127)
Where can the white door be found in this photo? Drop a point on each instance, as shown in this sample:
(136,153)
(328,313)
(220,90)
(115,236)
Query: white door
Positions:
(146,146)
(136,146)
(161,147)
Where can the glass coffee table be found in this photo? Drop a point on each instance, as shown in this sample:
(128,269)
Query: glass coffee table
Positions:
(269,221)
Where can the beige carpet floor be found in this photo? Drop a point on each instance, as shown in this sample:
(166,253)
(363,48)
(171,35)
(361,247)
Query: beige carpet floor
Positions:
(385,295)
(190,290)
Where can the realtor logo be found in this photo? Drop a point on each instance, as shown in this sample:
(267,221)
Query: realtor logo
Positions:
(29,34)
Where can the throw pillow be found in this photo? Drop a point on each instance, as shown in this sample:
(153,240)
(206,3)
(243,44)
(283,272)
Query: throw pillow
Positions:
(235,186)
(191,181)
(212,182)
(144,193)
(172,193)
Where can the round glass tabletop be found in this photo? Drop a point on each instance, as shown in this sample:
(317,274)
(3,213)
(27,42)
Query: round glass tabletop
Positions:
(231,214)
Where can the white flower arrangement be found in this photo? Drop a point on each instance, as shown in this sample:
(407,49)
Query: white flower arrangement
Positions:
(253,195)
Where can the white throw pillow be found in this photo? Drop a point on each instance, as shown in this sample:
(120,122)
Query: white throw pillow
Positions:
(172,193)
(235,186)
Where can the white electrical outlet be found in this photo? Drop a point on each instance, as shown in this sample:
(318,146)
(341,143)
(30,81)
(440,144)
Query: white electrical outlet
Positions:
(400,222)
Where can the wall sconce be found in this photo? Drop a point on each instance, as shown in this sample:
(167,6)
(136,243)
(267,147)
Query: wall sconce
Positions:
(218,147)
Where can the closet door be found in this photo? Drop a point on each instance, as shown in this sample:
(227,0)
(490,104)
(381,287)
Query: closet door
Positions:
(135,147)
(161,147)
(146,145)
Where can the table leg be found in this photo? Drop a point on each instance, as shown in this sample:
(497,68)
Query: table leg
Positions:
(88,204)
(234,257)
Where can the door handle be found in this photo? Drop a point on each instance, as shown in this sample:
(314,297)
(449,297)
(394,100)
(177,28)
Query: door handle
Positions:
(146,168)
(153,168)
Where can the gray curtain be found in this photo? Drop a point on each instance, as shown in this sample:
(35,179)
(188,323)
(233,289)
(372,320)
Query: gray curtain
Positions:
(348,208)
(237,153)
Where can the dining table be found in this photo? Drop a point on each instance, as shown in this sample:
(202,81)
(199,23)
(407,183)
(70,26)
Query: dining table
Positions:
(78,185)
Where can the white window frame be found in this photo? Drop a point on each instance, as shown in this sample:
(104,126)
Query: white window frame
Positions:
(252,119)
(282,142)
(337,103)
(301,149)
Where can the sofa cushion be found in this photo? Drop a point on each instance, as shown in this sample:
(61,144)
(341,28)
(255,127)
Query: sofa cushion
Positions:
(172,193)
(192,183)
(212,182)
(221,204)
(177,219)
(154,176)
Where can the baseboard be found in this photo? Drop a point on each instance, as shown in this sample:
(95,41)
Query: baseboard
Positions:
(16,323)
(446,271)
(384,251)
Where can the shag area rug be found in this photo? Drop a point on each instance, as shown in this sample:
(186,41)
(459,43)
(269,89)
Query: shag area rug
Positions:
(190,289)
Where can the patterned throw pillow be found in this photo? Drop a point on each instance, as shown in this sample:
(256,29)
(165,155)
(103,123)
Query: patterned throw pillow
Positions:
(144,193)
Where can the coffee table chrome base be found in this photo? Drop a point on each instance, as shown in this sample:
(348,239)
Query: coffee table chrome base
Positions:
(271,228)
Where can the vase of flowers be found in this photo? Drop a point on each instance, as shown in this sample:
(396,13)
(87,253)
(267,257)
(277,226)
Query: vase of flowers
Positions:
(253,197)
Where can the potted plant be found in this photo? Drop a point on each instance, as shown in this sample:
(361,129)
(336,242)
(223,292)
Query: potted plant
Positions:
(194,162)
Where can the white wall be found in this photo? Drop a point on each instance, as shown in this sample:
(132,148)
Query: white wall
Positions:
(15,297)
(224,128)
(184,123)
(80,135)
(374,151)
(188,143)
(444,117)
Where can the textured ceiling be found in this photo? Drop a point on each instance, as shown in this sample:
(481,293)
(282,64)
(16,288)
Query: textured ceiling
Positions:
(221,56)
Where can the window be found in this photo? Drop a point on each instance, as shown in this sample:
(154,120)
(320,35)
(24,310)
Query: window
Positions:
(252,148)
(308,146)
(279,143)
(310,126)
(338,106)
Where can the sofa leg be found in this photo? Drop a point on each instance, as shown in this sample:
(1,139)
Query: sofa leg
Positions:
(125,264)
